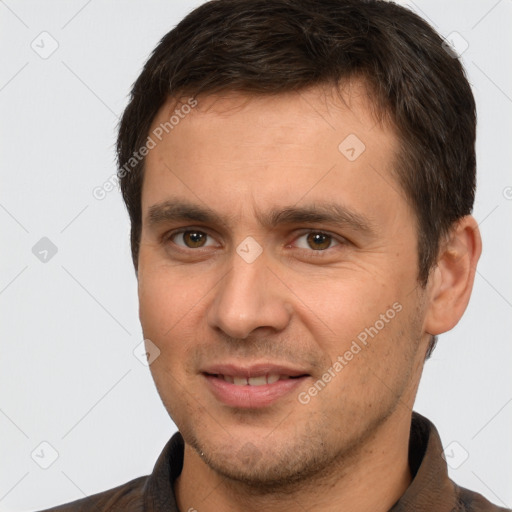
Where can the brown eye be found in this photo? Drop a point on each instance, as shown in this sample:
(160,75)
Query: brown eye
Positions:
(191,239)
(194,238)
(319,241)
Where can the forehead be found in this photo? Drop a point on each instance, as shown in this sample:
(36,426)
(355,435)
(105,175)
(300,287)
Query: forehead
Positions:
(230,150)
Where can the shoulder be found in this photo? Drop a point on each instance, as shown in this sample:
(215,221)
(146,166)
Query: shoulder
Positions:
(471,501)
(127,497)
(144,492)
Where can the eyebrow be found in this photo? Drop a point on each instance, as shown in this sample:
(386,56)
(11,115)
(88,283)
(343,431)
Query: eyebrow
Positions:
(331,213)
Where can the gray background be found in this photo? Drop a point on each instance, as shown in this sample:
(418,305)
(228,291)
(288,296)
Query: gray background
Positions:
(69,325)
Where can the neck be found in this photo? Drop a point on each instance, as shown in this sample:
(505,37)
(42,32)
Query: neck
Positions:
(372,478)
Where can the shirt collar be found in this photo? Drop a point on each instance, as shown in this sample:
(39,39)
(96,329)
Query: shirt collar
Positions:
(430,489)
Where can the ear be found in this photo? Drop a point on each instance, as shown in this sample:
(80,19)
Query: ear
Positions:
(451,281)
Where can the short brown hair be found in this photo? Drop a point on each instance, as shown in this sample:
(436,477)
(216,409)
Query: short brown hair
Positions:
(276,46)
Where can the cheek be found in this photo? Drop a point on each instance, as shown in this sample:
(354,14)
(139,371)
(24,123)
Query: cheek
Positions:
(172,312)
(367,326)
(154,299)
(342,307)
(163,309)
(164,301)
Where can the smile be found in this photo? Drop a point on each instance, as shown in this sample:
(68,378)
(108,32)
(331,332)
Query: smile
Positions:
(252,385)
(239,380)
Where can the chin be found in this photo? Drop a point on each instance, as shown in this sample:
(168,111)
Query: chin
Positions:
(263,464)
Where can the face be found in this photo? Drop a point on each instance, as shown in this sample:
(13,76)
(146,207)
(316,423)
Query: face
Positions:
(278,278)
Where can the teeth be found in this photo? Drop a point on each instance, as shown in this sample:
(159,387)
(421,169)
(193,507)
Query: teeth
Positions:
(273,377)
(258,381)
(254,381)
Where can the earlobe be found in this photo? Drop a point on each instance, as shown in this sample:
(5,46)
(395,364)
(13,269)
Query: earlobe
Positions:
(451,281)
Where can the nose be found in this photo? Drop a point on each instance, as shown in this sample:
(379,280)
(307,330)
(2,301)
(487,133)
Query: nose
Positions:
(249,297)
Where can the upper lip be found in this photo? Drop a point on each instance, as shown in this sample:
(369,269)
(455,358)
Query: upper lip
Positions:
(253,370)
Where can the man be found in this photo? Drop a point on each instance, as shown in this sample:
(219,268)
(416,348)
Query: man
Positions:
(299,176)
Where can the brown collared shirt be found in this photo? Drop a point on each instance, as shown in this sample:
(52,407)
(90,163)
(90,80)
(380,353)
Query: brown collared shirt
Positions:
(431,489)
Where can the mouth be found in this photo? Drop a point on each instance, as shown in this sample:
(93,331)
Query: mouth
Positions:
(262,380)
(252,387)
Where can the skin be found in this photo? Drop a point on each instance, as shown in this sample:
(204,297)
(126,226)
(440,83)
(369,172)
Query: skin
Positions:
(241,156)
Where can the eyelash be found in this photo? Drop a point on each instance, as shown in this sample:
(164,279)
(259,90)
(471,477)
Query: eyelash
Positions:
(340,241)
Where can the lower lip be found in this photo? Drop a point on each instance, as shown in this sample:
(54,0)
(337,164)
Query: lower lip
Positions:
(251,397)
